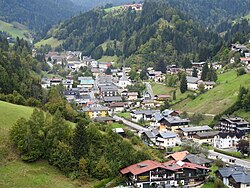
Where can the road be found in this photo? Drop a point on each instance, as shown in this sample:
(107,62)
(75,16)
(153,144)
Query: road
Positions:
(130,124)
(213,155)
(149,89)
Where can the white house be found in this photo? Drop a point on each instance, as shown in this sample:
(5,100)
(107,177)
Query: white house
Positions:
(228,140)
(192,83)
(166,139)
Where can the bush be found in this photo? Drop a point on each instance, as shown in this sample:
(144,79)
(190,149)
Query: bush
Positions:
(233,154)
(241,71)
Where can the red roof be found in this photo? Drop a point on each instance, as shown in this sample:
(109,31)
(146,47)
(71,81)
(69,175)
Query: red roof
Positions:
(142,167)
(178,156)
(175,165)
(245,59)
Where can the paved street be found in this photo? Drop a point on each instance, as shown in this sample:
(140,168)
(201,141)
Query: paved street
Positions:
(149,89)
(130,124)
(213,155)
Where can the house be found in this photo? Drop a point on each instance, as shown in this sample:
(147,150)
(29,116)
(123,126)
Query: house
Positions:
(136,7)
(95,71)
(148,103)
(166,139)
(86,82)
(104,65)
(72,94)
(146,115)
(162,97)
(169,112)
(55,81)
(188,174)
(216,65)
(199,159)
(207,84)
(68,84)
(108,90)
(228,140)
(45,83)
(109,99)
(247,55)
(239,48)
(132,96)
(177,156)
(189,132)
(172,123)
(234,176)
(173,69)
(205,137)
(156,76)
(118,106)
(198,65)
(192,83)
(245,60)
(147,173)
(233,124)
(94,112)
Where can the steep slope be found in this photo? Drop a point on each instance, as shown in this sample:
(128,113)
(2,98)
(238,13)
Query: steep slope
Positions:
(37,15)
(213,13)
(158,34)
(219,99)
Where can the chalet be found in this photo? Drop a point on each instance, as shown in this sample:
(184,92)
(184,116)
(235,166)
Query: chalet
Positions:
(45,83)
(189,132)
(95,71)
(124,81)
(234,176)
(118,106)
(104,119)
(147,173)
(68,84)
(119,131)
(247,55)
(234,124)
(132,96)
(86,82)
(198,65)
(239,48)
(166,139)
(216,65)
(173,123)
(192,83)
(207,84)
(104,65)
(72,94)
(156,76)
(108,90)
(148,103)
(169,112)
(205,137)
(55,81)
(94,112)
(146,115)
(162,97)
(173,69)
(228,140)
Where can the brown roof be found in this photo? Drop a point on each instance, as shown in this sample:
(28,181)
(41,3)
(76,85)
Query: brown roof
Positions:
(178,156)
(176,165)
(118,104)
(142,167)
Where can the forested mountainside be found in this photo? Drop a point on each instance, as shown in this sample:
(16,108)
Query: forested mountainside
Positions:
(212,13)
(37,15)
(158,33)
(89,4)
(16,67)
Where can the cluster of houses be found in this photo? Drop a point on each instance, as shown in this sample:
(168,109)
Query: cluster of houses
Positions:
(181,170)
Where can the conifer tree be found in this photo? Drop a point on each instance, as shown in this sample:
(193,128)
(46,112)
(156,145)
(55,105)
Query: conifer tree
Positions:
(183,83)
(204,72)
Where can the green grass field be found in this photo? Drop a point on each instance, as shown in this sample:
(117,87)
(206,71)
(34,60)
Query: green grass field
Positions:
(39,174)
(15,29)
(50,41)
(113,9)
(163,89)
(108,59)
(217,100)
(15,173)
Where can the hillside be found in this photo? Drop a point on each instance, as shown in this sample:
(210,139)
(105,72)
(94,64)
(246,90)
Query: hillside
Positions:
(157,35)
(37,15)
(219,99)
(213,13)
(39,174)
(15,30)
(89,4)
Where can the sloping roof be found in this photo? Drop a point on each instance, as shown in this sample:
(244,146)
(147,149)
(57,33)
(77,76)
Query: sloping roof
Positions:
(176,119)
(231,134)
(103,119)
(149,134)
(142,167)
(196,128)
(196,159)
(146,112)
(178,156)
(191,79)
(112,99)
(228,171)
(166,135)
(207,134)
(175,165)
(118,104)
(242,177)
(118,130)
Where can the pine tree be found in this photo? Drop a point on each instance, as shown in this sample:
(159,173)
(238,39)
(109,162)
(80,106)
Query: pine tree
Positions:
(80,140)
(195,73)
(183,83)
(204,72)
(174,95)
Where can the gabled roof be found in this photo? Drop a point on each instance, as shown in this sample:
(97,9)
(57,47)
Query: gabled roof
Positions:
(178,156)
(175,165)
(166,135)
(191,79)
(231,134)
(196,159)
(242,177)
(196,128)
(207,134)
(228,171)
(142,167)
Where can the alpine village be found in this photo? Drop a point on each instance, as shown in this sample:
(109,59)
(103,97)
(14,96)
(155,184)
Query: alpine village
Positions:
(125,94)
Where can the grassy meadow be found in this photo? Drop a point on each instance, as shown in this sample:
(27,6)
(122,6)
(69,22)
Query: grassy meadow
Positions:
(53,42)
